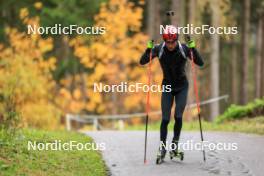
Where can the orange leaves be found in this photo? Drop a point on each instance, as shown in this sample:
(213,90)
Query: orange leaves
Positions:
(52,63)
(45,45)
(17,40)
(25,75)
(40,115)
(99,70)
(38,5)
(82,52)
(119,16)
(32,45)
(77,94)
(75,106)
(100,51)
(112,56)
(97,98)
(95,103)
(23,13)
(109,58)
(141,2)
(76,101)
(65,93)
(133,101)
(24,16)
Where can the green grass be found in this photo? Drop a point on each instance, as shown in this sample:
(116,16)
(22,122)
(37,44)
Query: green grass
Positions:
(252,109)
(16,159)
(245,125)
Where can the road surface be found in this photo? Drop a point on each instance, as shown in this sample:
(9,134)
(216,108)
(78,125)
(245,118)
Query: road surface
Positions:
(124,154)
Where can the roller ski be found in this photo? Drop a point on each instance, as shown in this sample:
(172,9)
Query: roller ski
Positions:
(161,155)
(175,153)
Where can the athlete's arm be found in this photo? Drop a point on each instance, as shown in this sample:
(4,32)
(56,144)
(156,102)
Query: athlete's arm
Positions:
(197,58)
(145,57)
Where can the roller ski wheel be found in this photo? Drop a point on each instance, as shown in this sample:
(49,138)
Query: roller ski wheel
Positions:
(160,156)
(174,154)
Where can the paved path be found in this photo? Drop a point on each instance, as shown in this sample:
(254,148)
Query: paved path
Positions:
(124,155)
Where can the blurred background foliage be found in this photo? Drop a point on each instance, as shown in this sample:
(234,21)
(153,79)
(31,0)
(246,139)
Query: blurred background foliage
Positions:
(43,77)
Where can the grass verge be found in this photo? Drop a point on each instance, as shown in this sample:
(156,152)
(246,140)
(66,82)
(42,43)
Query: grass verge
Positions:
(246,125)
(16,159)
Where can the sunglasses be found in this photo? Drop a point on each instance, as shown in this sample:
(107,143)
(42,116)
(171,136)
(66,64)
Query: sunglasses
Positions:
(170,42)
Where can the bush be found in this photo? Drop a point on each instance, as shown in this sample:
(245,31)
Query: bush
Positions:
(9,117)
(27,89)
(252,109)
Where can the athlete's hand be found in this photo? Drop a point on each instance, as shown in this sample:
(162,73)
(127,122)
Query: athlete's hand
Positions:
(191,44)
(150,44)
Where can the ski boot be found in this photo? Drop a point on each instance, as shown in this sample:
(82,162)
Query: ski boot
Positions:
(174,153)
(161,155)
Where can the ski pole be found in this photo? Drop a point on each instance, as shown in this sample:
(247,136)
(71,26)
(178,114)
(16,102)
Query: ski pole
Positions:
(196,95)
(147,106)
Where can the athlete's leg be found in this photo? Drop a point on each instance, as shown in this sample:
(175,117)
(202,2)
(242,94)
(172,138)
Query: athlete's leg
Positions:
(180,101)
(166,104)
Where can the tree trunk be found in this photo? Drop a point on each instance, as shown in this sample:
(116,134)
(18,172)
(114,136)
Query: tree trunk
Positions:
(157,20)
(151,18)
(191,11)
(258,59)
(176,7)
(154,19)
(234,73)
(245,35)
(262,64)
(214,108)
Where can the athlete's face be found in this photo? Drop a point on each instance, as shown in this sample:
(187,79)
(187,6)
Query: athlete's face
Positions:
(171,44)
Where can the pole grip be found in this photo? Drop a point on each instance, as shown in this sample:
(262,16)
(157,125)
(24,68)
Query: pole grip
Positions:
(188,37)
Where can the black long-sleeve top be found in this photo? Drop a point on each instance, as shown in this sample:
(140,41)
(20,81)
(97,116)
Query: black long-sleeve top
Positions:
(173,64)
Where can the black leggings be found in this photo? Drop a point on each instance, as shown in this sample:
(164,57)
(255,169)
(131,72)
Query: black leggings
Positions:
(166,105)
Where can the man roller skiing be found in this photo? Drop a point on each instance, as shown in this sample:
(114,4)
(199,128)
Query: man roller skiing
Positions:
(172,58)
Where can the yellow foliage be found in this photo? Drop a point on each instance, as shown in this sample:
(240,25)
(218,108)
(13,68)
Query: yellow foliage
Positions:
(38,5)
(65,94)
(23,13)
(77,94)
(40,115)
(26,76)
(110,58)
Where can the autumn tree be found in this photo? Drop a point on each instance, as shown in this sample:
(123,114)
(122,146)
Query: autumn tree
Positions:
(25,77)
(113,57)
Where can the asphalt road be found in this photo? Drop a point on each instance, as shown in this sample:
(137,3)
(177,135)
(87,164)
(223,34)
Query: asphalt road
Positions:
(125,149)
